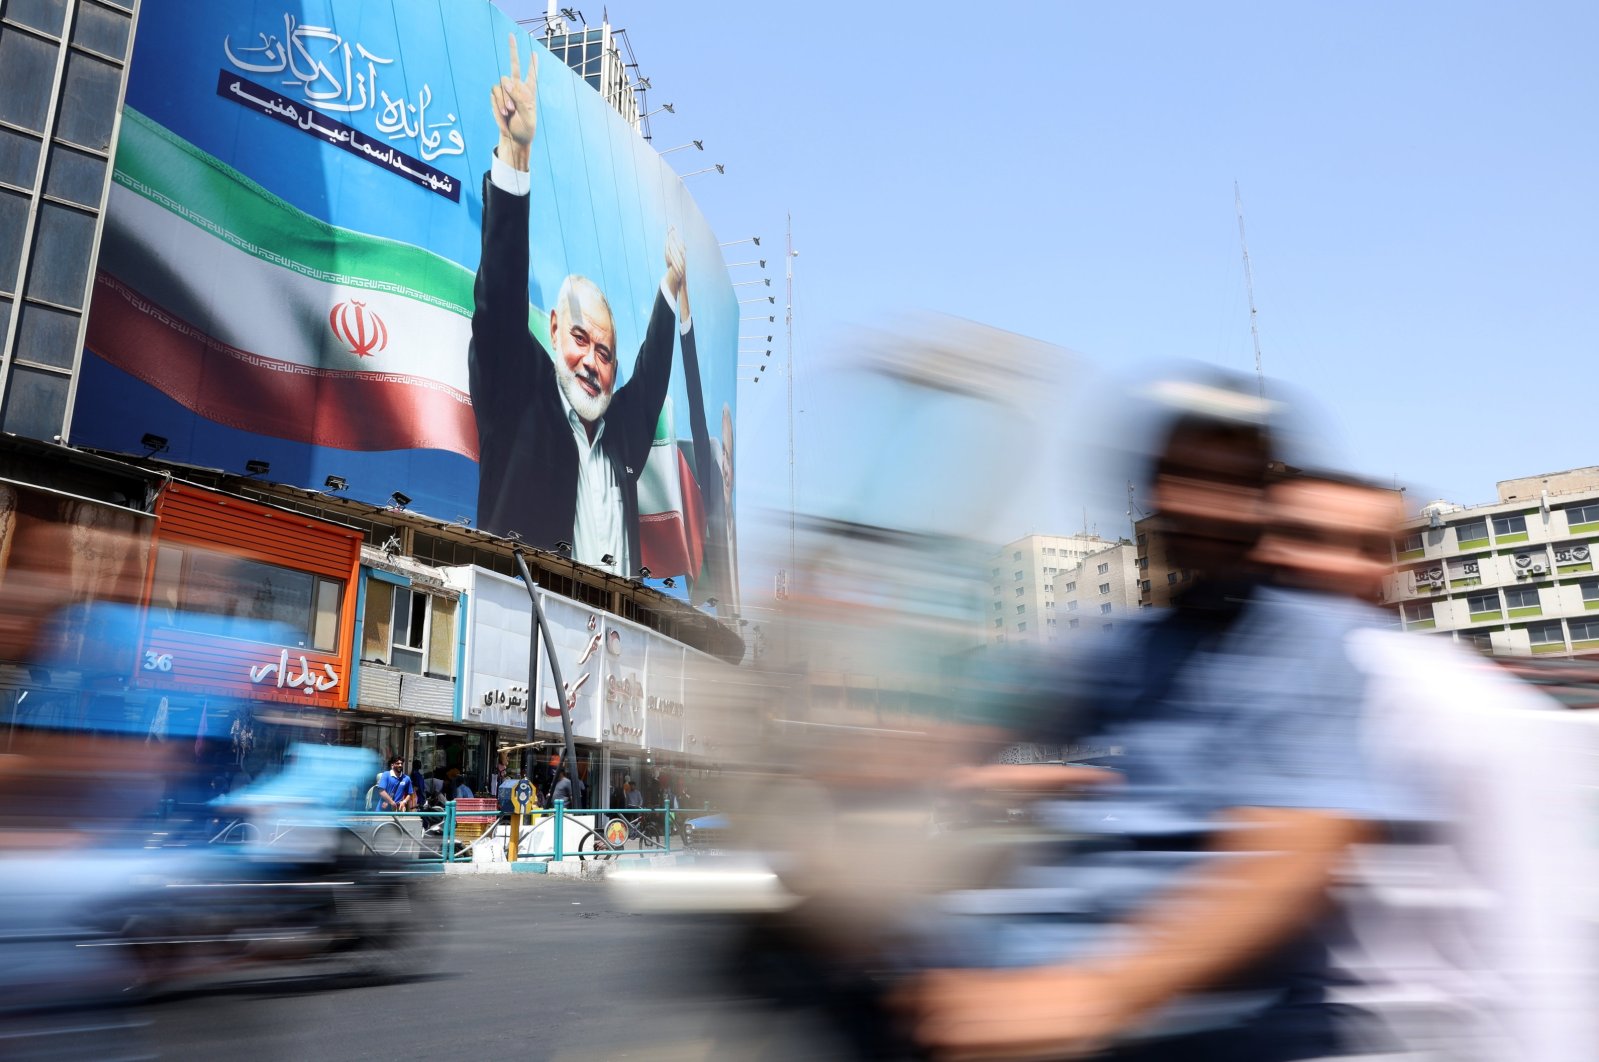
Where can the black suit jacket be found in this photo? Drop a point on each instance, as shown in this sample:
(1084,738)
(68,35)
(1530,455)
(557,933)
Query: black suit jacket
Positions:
(527,457)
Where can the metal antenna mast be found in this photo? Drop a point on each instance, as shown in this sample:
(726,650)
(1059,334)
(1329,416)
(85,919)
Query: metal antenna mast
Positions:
(788,323)
(1249,285)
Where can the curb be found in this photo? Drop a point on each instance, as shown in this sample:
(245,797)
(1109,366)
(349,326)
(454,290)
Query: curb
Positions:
(587,869)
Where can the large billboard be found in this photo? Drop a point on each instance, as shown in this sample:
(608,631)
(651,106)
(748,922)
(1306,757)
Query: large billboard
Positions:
(396,242)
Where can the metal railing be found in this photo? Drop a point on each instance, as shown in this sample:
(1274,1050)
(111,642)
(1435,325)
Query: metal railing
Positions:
(554,834)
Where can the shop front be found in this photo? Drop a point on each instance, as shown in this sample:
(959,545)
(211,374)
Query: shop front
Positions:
(407,695)
(641,706)
(244,643)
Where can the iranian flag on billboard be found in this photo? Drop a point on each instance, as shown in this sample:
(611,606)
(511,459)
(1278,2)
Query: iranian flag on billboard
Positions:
(293,270)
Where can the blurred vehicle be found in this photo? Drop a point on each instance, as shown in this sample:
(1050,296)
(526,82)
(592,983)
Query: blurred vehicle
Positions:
(91,924)
(1574,683)
(707,830)
(306,896)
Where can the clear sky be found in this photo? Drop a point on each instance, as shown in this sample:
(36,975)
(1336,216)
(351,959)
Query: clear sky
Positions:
(1420,180)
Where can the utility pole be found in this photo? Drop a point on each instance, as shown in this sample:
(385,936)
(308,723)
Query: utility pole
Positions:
(1249,286)
(541,631)
(788,323)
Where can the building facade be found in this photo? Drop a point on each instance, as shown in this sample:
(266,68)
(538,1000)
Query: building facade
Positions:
(1024,608)
(595,54)
(63,70)
(1102,588)
(1511,577)
(145,586)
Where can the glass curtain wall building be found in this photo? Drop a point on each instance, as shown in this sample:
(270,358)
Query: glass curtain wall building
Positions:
(63,68)
(596,54)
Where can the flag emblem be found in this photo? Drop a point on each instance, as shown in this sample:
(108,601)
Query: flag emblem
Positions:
(358,328)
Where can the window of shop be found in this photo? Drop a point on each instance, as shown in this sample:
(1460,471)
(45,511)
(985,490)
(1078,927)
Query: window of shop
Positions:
(258,601)
(385,739)
(462,752)
(409,629)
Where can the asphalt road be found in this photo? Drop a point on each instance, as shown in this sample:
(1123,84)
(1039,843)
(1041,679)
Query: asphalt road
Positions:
(531,967)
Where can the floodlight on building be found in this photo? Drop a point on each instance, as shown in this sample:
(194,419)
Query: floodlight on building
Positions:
(563,548)
(753,261)
(669,582)
(756,240)
(710,602)
(759,280)
(400,500)
(643,573)
(770,298)
(769,318)
(718,167)
(757,338)
(608,560)
(336,483)
(254,467)
(667,107)
(642,84)
(153,443)
(697,145)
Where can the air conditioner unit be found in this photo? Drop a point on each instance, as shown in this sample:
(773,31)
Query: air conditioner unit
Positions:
(1538,569)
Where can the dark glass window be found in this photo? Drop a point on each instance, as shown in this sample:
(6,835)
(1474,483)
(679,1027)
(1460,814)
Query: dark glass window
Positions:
(75,176)
(264,602)
(89,102)
(46,15)
(47,336)
(13,218)
(101,29)
(1512,524)
(36,404)
(19,158)
(60,263)
(27,72)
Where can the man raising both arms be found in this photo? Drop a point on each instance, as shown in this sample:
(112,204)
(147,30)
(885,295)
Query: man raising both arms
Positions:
(561,446)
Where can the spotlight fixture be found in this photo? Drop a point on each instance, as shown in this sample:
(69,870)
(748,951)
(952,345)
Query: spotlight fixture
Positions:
(257,468)
(400,500)
(336,483)
(608,560)
(643,573)
(563,547)
(669,582)
(153,443)
(710,602)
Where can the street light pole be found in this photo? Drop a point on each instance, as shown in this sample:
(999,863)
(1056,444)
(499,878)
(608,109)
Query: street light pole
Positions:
(788,323)
(541,630)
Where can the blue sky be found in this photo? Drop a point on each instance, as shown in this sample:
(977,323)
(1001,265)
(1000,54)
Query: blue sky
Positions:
(1418,180)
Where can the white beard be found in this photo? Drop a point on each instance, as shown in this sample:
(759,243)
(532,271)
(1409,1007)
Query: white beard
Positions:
(589,408)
